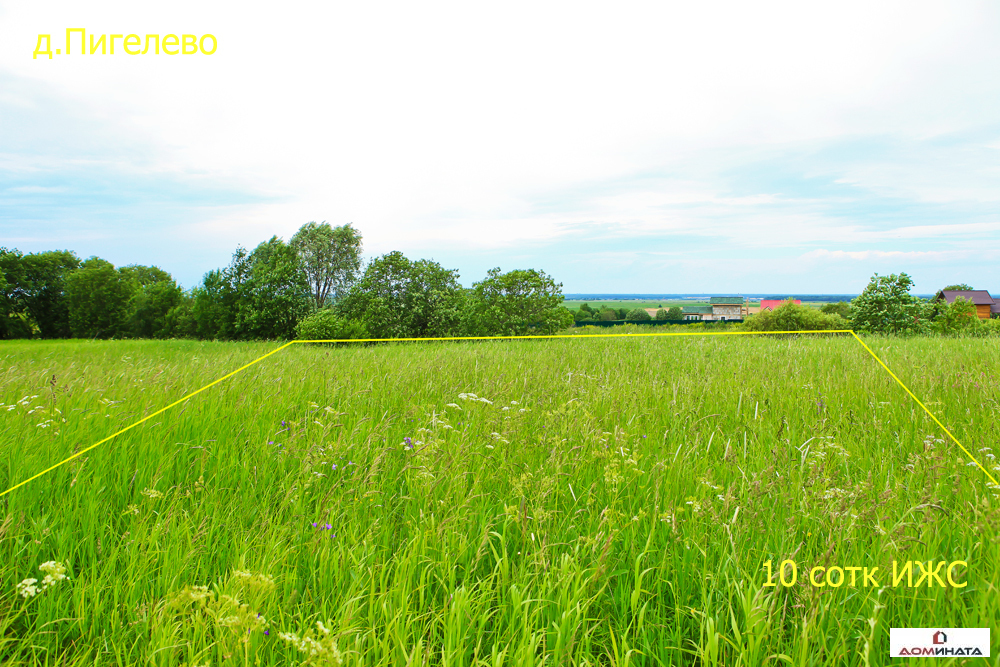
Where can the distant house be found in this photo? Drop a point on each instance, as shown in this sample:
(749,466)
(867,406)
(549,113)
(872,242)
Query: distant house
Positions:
(771,304)
(727,307)
(697,312)
(722,308)
(985,304)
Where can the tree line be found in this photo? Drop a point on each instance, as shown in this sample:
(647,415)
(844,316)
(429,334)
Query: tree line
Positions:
(315,286)
(586,313)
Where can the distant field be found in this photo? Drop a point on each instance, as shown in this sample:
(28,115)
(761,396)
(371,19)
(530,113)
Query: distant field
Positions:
(575,305)
(586,501)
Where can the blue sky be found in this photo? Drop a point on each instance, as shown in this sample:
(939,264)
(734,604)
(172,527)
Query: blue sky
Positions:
(650,148)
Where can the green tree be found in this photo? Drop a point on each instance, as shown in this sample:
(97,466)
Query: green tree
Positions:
(961,287)
(399,298)
(36,289)
(622,313)
(155,295)
(213,307)
(330,257)
(13,324)
(886,306)
(792,317)
(13,321)
(841,308)
(180,319)
(517,303)
(675,313)
(98,297)
(661,315)
(637,314)
(609,315)
(272,291)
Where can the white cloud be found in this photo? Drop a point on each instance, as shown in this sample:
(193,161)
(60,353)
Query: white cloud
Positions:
(863,255)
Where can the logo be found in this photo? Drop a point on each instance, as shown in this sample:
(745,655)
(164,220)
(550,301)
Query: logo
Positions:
(939,642)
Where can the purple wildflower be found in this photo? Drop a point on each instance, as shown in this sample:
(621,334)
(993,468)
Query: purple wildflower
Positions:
(267,633)
(270,442)
(334,466)
(314,525)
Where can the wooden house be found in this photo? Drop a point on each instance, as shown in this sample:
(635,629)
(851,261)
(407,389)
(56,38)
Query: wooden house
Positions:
(985,304)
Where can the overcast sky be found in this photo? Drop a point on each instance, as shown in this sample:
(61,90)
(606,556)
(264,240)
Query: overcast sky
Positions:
(621,147)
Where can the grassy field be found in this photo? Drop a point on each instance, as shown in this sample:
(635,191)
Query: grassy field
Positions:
(578,501)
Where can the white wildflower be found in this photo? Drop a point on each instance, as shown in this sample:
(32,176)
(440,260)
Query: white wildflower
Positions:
(54,571)
(27,588)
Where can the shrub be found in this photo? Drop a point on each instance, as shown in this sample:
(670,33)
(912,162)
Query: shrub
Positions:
(841,308)
(516,303)
(886,306)
(990,327)
(959,316)
(792,317)
(325,324)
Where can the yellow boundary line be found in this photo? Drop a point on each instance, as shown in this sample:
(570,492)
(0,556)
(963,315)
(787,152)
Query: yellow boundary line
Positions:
(456,338)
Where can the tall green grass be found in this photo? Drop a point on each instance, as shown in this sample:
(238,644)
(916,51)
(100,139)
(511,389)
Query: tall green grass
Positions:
(610,502)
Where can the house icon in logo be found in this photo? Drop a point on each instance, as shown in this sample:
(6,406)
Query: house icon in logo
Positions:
(940,637)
